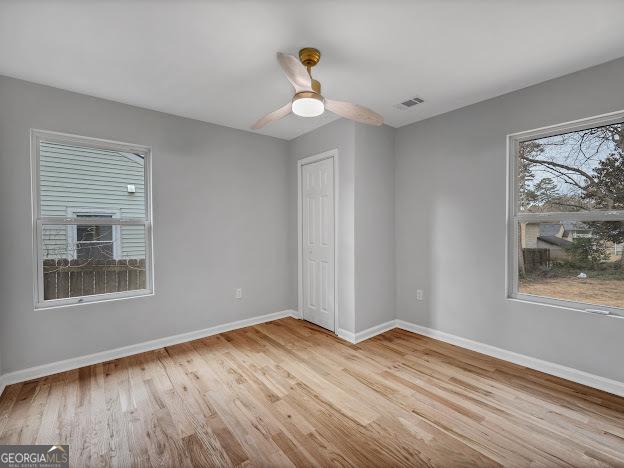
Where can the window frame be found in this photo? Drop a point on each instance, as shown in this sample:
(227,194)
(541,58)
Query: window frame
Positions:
(44,136)
(515,216)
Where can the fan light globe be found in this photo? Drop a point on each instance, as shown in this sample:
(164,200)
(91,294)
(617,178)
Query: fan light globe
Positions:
(308,105)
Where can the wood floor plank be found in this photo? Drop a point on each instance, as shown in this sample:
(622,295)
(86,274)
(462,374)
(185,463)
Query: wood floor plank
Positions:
(287,393)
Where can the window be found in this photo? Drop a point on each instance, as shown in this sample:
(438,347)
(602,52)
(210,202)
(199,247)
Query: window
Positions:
(93,241)
(566,223)
(91,218)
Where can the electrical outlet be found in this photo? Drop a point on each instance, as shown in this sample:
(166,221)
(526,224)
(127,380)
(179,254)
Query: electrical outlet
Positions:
(419,294)
(239,293)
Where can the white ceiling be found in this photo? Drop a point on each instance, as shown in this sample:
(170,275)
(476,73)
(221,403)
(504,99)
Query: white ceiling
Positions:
(215,61)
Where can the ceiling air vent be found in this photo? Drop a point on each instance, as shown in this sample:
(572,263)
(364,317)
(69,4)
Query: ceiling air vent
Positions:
(409,103)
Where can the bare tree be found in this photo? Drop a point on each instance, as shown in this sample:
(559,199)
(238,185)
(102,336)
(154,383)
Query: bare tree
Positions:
(580,170)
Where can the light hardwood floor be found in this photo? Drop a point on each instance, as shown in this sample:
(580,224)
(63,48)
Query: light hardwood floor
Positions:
(288,393)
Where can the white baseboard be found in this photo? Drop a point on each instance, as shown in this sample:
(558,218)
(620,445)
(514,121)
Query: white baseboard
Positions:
(601,383)
(585,378)
(103,356)
(365,334)
(376,330)
(346,335)
(568,373)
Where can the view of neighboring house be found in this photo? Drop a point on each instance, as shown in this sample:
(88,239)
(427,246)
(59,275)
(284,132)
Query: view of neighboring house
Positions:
(556,237)
(91,183)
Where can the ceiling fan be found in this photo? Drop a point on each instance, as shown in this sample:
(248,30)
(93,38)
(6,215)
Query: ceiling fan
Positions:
(308,101)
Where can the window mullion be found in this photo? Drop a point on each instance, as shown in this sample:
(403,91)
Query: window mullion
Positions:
(63,220)
(570,216)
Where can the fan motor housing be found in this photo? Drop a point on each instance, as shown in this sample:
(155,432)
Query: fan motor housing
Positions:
(309,56)
(308,95)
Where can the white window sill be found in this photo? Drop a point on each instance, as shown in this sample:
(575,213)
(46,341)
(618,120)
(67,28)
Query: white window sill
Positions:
(88,300)
(570,306)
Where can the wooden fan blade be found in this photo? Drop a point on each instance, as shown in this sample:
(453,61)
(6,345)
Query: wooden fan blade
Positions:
(295,72)
(354,112)
(273,116)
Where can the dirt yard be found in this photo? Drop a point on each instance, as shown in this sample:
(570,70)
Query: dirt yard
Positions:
(600,291)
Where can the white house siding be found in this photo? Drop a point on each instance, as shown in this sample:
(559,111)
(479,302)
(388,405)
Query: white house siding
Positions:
(80,178)
(531,232)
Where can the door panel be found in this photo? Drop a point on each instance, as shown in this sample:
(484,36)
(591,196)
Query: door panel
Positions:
(318,242)
(312,284)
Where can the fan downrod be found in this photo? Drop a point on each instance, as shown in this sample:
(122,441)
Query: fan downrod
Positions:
(309,57)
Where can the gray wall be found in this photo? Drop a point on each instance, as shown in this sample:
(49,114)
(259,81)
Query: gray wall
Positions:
(225,207)
(366,291)
(450,224)
(339,135)
(374,226)
(220,222)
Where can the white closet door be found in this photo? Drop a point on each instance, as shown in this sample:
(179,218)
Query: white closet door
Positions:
(317,189)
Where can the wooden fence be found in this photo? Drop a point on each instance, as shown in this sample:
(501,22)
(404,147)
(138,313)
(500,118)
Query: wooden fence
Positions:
(70,278)
(535,258)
